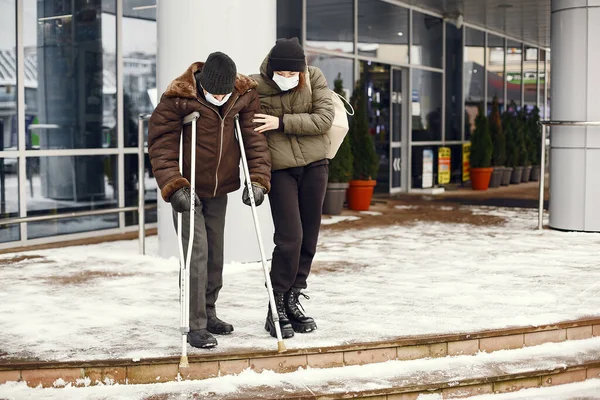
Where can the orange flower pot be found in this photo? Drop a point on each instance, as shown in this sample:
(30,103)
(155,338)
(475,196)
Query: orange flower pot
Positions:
(360,194)
(480,178)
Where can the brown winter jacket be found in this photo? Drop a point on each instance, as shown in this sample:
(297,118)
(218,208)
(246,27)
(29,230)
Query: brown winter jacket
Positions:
(217,150)
(307,114)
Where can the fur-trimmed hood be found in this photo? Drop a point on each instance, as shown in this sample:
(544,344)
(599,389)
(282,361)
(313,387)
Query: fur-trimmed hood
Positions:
(185,85)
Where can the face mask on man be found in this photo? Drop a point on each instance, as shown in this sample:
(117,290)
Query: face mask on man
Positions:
(286,83)
(211,99)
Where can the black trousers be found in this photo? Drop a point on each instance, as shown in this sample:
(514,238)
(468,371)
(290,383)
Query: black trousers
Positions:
(296,198)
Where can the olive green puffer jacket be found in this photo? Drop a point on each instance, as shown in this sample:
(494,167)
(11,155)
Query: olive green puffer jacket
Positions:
(307,114)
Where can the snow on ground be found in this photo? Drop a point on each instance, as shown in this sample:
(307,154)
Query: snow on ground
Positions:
(334,219)
(371,213)
(588,390)
(342,380)
(105,301)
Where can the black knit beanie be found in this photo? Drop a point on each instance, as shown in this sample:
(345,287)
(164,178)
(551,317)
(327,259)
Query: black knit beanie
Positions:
(287,55)
(218,74)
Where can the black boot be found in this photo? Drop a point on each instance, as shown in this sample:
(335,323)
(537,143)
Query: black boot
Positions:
(215,325)
(201,339)
(300,322)
(284,323)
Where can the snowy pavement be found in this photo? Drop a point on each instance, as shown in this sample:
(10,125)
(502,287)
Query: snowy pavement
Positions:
(105,301)
(378,376)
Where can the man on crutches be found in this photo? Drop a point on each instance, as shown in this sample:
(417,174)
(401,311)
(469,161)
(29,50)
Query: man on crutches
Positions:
(217,93)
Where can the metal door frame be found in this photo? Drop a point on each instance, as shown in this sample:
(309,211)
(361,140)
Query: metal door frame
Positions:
(404,153)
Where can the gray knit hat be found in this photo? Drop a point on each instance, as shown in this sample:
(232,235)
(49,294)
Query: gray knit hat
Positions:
(218,74)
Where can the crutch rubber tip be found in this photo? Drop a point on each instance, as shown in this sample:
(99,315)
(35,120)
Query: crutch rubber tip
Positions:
(184,363)
(281,347)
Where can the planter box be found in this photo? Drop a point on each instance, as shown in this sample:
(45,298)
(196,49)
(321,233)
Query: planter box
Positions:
(334,198)
(360,194)
(535,173)
(526,174)
(480,178)
(506,176)
(517,175)
(497,175)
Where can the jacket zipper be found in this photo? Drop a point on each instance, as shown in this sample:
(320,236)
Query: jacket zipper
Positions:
(221,141)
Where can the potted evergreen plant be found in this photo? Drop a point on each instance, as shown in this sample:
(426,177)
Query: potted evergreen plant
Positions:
(535,142)
(513,152)
(499,144)
(365,163)
(340,169)
(508,126)
(481,153)
(524,145)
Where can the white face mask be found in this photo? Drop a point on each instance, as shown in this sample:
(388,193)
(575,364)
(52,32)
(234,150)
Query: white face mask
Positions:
(286,83)
(211,99)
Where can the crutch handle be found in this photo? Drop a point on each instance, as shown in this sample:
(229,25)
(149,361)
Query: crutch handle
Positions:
(191,117)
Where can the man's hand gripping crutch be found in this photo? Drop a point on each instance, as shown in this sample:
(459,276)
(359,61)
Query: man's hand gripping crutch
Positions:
(238,134)
(185,259)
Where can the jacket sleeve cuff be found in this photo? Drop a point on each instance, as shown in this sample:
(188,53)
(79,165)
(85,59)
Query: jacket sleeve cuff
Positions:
(173,186)
(281,126)
(262,182)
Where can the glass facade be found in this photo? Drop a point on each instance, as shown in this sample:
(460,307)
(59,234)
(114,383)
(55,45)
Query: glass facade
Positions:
(79,151)
(474,78)
(428,40)
(74,146)
(514,72)
(495,71)
(330,25)
(383,31)
(451,74)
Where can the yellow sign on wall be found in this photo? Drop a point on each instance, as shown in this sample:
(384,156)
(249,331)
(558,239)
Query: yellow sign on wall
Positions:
(444,165)
(466,157)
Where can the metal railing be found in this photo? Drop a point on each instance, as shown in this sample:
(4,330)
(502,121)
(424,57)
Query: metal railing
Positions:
(140,208)
(544,125)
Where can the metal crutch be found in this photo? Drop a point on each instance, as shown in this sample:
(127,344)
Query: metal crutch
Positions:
(184,262)
(275,315)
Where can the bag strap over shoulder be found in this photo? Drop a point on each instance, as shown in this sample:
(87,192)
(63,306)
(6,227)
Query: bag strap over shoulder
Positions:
(308,85)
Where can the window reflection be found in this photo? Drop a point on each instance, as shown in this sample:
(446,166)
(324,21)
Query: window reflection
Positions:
(330,25)
(131,189)
(495,71)
(514,75)
(474,77)
(63,184)
(331,67)
(9,197)
(530,77)
(428,44)
(426,106)
(454,70)
(8,77)
(139,65)
(383,31)
(70,57)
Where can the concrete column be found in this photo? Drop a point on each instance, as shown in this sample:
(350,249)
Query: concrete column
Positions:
(188,31)
(575,151)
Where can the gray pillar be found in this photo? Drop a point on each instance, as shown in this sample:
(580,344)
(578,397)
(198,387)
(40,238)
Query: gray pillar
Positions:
(575,151)
(245,30)
(70,70)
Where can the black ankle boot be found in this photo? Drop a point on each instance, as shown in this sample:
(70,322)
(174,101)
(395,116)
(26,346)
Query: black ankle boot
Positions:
(284,323)
(300,322)
(201,339)
(215,325)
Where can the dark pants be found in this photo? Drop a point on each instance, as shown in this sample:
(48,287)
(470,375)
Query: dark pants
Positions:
(206,266)
(296,199)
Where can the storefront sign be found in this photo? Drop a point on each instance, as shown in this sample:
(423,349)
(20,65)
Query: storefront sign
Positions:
(466,161)
(427,168)
(443,165)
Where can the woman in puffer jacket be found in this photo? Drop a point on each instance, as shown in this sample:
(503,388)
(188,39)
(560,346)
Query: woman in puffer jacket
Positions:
(298,111)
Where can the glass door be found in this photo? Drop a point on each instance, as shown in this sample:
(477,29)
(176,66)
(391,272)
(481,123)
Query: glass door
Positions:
(397,160)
